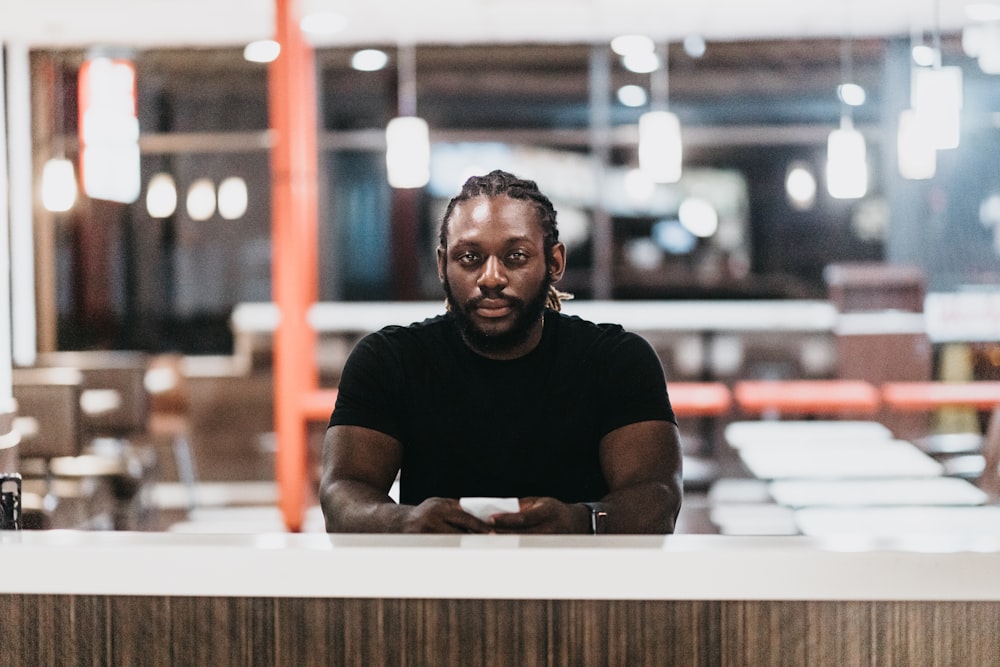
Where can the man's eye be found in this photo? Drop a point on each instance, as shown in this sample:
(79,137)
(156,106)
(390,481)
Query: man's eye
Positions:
(518,256)
(468,258)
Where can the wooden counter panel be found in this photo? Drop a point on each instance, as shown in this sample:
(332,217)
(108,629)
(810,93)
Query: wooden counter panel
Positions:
(170,631)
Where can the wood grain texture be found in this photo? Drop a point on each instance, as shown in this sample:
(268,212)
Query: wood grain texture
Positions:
(300,632)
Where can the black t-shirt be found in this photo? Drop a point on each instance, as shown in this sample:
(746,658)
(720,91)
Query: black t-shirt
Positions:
(472,426)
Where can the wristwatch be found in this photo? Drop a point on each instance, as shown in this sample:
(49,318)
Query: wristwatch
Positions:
(598,519)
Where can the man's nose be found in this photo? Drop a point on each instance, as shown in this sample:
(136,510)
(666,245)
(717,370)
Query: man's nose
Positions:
(493,275)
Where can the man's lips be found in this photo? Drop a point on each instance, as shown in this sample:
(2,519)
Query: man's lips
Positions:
(493,307)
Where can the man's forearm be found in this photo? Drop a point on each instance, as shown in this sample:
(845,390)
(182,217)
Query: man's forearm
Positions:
(649,507)
(355,507)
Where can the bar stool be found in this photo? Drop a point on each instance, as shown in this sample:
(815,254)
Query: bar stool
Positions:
(48,421)
(114,409)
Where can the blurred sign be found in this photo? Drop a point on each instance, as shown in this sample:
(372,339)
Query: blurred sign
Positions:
(969,317)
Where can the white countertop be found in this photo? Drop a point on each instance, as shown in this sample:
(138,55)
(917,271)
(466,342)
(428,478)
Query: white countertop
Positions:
(681,567)
(795,315)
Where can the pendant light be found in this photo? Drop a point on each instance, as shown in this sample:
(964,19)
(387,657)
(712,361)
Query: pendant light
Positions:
(660,148)
(936,94)
(407,137)
(846,150)
(58,174)
(109,129)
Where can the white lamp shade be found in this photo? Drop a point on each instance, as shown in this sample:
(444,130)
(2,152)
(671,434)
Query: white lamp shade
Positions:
(109,130)
(408,152)
(915,150)
(800,186)
(201,200)
(111,172)
(699,217)
(233,198)
(58,185)
(660,149)
(161,196)
(846,164)
(936,94)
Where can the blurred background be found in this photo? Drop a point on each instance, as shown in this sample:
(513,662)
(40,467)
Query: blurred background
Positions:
(534,87)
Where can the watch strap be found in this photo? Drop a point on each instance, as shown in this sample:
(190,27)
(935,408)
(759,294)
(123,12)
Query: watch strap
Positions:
(598,519)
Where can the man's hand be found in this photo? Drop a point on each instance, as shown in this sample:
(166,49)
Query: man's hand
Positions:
(543,515)
(442,515)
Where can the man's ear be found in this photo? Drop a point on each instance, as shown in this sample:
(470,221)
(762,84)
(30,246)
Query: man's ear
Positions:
(557,261)
(440,263)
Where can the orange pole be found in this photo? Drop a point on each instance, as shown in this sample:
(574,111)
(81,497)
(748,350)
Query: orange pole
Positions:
(294,234)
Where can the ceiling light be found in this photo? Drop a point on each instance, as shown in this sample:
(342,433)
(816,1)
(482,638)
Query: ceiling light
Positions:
(201,200)
(923,55)
(699,217)
(58,185)
(161,196)
(846,151)
(407,155)
(936,93)
(851,94)
(109,130)
(916,153)
(58,174)
(694,46)
(232,198)
(846,163)
(407,137)
(369,60)
(660,148)
(632,95)
(641,63)
(623,45)
(261,51)
(800,186)
(982,42)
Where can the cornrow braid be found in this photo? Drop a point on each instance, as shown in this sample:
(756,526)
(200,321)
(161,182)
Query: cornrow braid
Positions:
(499,182)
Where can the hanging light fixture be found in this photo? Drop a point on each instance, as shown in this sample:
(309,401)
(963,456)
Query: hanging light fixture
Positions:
(161,196)
(846,150)
(660,148)
(407,137)
(58,174)
(916,148)
(915,153)
(936,94)
(109,130)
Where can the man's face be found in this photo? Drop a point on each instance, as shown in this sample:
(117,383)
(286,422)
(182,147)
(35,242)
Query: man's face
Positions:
(496,275)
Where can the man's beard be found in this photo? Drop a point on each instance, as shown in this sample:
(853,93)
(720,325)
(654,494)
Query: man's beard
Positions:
(527,313)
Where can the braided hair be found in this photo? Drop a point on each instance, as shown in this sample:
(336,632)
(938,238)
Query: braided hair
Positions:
(499,182)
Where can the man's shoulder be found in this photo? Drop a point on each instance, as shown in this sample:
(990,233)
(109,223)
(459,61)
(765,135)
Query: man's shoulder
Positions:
(576,325)
(415,333)
(603,338)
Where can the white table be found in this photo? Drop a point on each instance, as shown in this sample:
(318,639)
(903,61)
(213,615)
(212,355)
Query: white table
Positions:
(913,524)
(875,492)
(838,460)
(741,433)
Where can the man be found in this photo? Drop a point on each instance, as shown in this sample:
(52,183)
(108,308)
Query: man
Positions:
(503,396)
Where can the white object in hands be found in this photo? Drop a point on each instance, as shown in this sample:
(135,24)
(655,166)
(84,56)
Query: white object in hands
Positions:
(484,508)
